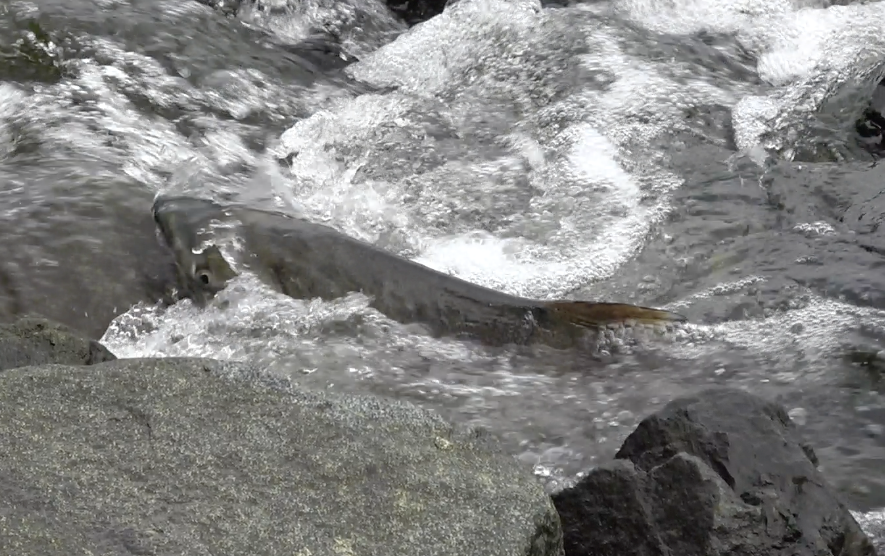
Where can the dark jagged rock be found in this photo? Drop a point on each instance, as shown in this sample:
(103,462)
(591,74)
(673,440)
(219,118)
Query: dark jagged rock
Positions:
(226,7)
(37,341)
(29,53)
(870,127)
(189,456)
(719,473)
(413,12)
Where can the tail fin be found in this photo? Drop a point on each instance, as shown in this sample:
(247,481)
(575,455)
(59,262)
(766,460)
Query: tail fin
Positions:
(590,314)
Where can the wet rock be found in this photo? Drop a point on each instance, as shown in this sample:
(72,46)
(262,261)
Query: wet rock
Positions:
(185,456)
(871,125)
(722,472)
(413,12)
(359,26)
(37,341)
(30,53)
(226,7)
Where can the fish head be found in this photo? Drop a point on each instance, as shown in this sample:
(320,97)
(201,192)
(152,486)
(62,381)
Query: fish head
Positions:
(182,223)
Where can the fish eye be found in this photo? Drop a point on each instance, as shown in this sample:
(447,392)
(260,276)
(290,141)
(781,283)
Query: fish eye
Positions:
(204,277)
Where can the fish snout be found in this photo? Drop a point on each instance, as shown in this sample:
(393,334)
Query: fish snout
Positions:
(202,270)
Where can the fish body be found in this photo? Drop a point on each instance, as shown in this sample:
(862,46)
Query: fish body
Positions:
(306,260)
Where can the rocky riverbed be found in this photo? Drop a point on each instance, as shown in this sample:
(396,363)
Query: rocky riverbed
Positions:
(194,456)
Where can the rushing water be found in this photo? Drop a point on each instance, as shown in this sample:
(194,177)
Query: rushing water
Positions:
(700,156)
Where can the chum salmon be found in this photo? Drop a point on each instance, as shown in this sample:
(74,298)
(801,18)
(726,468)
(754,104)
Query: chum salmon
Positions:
(306,260)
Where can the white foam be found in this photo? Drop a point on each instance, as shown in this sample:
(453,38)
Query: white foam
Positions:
(482,258)
(815,327)
(810,41)
(245,306)
(433,56)
(226,148)
(811,229)
(811,52)
(691,16)
(752,117)
(248,321)
(12,101)
(724,288)
(873,524)
(598,187)
(814,56)
(104,124)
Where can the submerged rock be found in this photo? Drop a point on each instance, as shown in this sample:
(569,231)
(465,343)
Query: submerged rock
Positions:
(177,456)
(722,472)
(81,259)
(37,341)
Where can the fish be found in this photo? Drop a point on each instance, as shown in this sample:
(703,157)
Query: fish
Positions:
(307,260)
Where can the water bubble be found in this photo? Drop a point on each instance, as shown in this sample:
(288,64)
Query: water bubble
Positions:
(798,415)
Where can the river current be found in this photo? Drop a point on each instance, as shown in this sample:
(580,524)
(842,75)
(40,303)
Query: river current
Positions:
(704,157)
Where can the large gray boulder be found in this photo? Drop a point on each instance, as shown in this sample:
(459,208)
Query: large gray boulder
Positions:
(720,473)
(183,456)
(37,341)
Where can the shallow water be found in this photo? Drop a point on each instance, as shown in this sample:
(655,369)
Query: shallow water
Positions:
(700,157)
